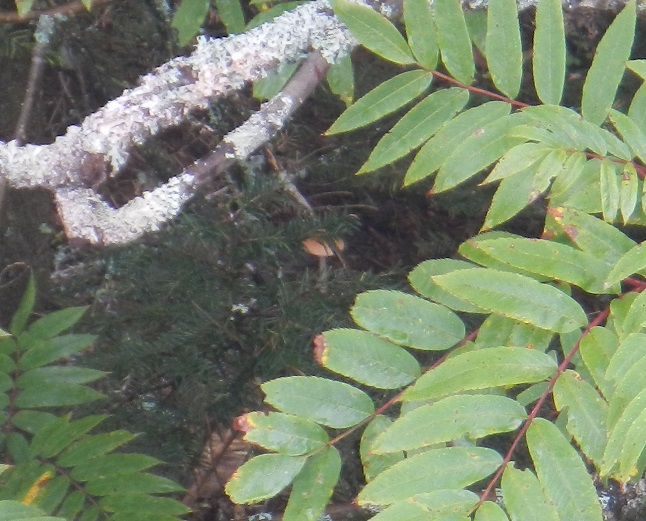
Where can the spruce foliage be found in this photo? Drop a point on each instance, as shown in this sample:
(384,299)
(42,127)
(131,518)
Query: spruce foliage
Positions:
(190,321)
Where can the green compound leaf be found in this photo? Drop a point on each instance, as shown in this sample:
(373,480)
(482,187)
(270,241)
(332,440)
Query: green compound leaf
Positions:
(537,132)
(634,318)
(144,517)
(632,262)
(55,395)
(111,465)
(562,473)
(436,469)
(92,514)
(33,421)
(597,348)
(22,314)
(374,31)
(490,511)
(568,128)
(421,279)
(630,415)
(627,389)
(313,486)
(577,172)
(441,505)
(450,419)
(382,100)
(407,320)
(619,310)
(283,433)
(633,135)
(586,413)
(263,477)
(531,394)
(143,504)
(7,365)
(72,505)
(515,296)
(517,159)
(481,369)
(628,353)
(608,66)
(588,233)
(498,331)
(271,13)
(582,190)
(484,146)
(55,323)
(54,349)
(547,258)
(513,195)
(473,251)
(374,464)
(477,24)
(132,484)
(628,192)
(231,14)
(631,464)
(637,109)
(524,497)
(335,404)
(416,127)
(420,31)
(609,181)
(50,495)
(52,375)
(438,149)
(453,39)
(16,511)
(549,51)
(340,78)
(503,45)
(58,434)
(366,358)
(638,67)
(269,86)
(24,6)
(189,18)
(93,446)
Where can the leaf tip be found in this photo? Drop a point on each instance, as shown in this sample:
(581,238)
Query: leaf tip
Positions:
(243,423)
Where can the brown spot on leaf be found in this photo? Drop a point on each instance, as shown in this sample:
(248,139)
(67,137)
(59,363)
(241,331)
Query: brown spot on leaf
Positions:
(571,231)
(556,212)
(320,345)
(242,424)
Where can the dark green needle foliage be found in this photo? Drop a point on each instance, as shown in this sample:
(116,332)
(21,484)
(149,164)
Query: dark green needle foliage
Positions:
(195,318)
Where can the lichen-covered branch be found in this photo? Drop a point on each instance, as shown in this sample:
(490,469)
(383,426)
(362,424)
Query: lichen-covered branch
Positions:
(78,162)
(89,219)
